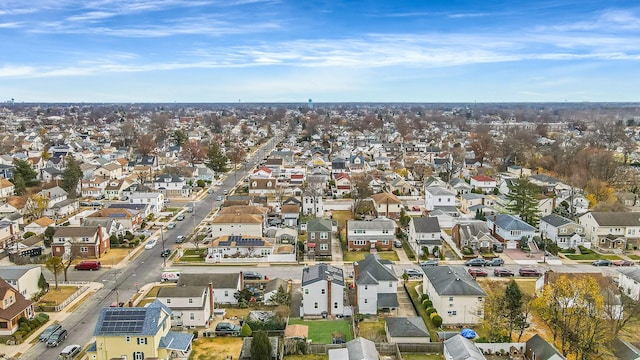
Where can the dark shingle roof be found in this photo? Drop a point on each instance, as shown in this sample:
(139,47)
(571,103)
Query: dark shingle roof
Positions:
(220,281)
(319,225)
(388,300)
(616,218)
(555,220)
(371,268)
(451,280)
(542,349)
(510,222)
(321,272)
(406,327)
(426,225)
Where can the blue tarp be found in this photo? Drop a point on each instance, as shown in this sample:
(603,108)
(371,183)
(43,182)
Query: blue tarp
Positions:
(468,333)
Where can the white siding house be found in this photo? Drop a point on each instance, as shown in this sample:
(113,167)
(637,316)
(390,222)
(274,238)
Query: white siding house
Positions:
(322,291)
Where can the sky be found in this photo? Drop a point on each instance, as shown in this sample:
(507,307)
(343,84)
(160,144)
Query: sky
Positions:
(329,51)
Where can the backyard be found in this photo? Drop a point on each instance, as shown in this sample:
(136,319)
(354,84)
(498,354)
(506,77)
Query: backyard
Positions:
(216,348)
(372,330)
(320,331)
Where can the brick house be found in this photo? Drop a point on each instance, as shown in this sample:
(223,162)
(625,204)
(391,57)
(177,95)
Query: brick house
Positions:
(81,241)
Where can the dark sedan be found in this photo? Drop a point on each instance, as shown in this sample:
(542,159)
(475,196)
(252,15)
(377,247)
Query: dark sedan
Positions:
(476,262)
(601,262)
(503,272)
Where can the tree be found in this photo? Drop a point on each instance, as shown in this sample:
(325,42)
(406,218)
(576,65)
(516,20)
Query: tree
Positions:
(160,123)
(48,235)
(23,169)
(129,133)
(361,191)
(43,285)
(619,320)
(522,200)
(281,297)
(237,155)
(194,152)
(179,137)
(67,264)
(36,205)
(146,144)
(71,175)
(54,264)
(216,160)
(260,346)
(513,305)
(20,187)
(245,331)
(483,144)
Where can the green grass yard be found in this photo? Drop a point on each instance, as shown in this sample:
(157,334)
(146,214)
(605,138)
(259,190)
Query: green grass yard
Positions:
(591,257)
(351,256)
(320,331)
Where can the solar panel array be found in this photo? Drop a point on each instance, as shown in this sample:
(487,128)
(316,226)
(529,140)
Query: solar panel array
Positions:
(125,322)
(240,241)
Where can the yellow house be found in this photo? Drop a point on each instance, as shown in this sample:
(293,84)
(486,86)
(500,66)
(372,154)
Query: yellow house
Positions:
(137,334)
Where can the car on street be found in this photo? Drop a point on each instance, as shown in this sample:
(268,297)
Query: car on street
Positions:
(226,191)
(251,275)
(150,244)
(601,262)
(219,198)
(44,336)
(190,209)
(165,253)
(476,262)
(88,265)
(171,225)
(397,244)
(529,272)
(69,352)
(623,263)
(501,272)
(413,273)
(218,183)
(210,191)
(180,239)
(226,328)
(495,262)
(180,217)
(432,262)
(57,338)
(478,272)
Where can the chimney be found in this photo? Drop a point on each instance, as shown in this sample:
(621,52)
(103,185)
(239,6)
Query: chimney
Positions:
(101,239)
(210,299)
(355,277)
(329,280)
(494,224)
(241,280)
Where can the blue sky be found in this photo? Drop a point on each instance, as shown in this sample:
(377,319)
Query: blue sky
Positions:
(330,51)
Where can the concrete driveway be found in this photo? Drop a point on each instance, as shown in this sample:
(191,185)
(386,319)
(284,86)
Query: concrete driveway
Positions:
(406,308)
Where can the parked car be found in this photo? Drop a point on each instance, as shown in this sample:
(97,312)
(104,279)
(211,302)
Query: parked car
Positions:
(150,244)
(225,328)
(46,334)
(529,272)
(171,225)
(497,247)
(219,198)
(413,273)
(478,272)
(180,239)
(431,262)
(623,263)
(210,191)
(218,183)
(180,217)
(88,265)
(495,262)
(500,272)
(476,262)
(165,253)
(251,275)
(57,338)
(190,209)
(226,191)
(397,243)
(69,352)
(601,262)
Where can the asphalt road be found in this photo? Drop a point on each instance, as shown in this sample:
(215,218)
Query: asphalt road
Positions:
(122,284)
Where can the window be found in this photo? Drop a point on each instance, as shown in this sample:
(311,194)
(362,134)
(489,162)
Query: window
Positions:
(315,305)
(335,305)
(168,301)
(142,341)
(313,236)
(563,230)
(366,287)
(84,249)
(479,313)
(192,316)
(324,235)
(324,246)
(385,231)
(358,231)
(190,301)
(306,291)
(452,313)
(322,291)
(516,232)
(226,293)
(3,325)
(390,284)
(85,239)
(127,338)
(480,298)
(450,298)
(138,355)
(366,301)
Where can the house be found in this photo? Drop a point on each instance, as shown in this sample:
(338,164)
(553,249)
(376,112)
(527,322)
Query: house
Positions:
(263,186)
(6,171)
(14,204)
(611,230)
(387,205)
(8,234)
(290,215)
(518,171)
(566,233)
(364,235)
(13,307)
(24,279)
(510,230)
(172,186)
(406,330)
(62,209)
(461,348)
(358,348)
(538,348)
(474,234)
(6,188)
(319,235)
(424,232)
(312,203)
(323,290)
(38,226)
(238,223)
(376,286)
(191,306)
(483,183)
(233,246)
(401,186)
(460,186)
(115,188)
(127,219)
(81,241)
(137,333)
(112,170)
(455,294)
(343,184)
(262,172)
(629,282)
(439,198)
(225,285)
(470,203)
(154,200)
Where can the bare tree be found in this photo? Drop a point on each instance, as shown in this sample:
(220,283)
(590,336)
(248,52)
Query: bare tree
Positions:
(194,152)
(161,124)
(146,144)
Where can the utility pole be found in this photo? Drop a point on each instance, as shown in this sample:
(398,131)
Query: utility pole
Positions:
(164,258)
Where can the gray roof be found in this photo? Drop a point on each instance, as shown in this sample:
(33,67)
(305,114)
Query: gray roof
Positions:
(14,272)
(371,270)
(120,321)
(319,225)
(181,291)
(510,222)
(176,341)
(555,220)
(544,178)
(362,349)
(438,191)
(388,300)
(632,272)
(452,280)
(472,196)
(460,348)
(426,224)
(220,281)
(616,218)
(624,350)
(473,228)
(321,272)
(406,327)
(375,224)
(542,349)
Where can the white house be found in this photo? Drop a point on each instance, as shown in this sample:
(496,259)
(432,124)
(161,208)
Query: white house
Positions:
(424,232)
(455,294)
(629,282)
(6,188)
(376,285)
(22,278)
(484,183)
(510,230)
(153,199)
(562,231)
(611,230)
(38,226)
(172,186)
(437,197)
(237,224)
(322,290)
(191,305)
(225,285)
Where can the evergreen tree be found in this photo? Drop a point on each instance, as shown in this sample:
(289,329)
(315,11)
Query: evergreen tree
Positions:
(71,176)
(281,297)
(216,159)
(180,137)
(512,304)
(18,184)
(522,201)
(260,346)
(23,169)
(48,235)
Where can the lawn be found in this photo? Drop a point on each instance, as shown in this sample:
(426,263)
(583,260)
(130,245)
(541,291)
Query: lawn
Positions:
(192,255)
(216,348)
(406,356)
(341,217)
(351,256)
(55,297)
(527,286)
(633,257)
(591,257)
(307,357)
(320,330)
(115,255)
(372,330)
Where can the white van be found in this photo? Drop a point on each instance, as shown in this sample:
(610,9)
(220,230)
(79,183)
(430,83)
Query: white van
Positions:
(171,275)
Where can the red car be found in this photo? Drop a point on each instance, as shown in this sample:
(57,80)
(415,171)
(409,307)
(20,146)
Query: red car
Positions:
(623,263)
(475,272)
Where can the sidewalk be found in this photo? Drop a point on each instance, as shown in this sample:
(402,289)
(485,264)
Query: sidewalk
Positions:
(13,350)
